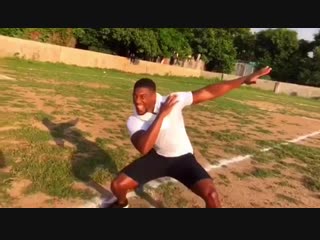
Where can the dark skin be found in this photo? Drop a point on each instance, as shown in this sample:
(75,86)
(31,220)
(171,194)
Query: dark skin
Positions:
(144,100)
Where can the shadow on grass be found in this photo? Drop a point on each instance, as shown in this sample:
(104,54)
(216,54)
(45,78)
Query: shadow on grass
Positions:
(142,194)
(87,157)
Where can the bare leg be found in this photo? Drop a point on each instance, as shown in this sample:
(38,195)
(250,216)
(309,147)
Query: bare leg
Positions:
(207,191)
(120,187)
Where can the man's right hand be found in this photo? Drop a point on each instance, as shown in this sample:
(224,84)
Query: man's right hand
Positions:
(168,105)
(145,140)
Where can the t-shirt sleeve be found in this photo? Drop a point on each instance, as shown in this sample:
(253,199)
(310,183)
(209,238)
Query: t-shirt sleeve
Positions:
(185,99)
(134,125)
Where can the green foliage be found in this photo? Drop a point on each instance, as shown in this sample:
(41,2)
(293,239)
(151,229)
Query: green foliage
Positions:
(171,40)
(216,47)
(12,32)
(244,42)
(310,73)
(275,47)
(58,36)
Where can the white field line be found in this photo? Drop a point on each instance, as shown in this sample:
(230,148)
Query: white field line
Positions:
(312,119)
(4,77)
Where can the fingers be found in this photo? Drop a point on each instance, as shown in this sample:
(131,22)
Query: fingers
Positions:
(267,69)
(172,99)
(169,103)
(264,71)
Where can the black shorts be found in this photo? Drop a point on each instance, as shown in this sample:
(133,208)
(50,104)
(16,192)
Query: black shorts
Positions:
(185,169)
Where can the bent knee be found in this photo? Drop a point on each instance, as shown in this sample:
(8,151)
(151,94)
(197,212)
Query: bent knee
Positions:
(211,195)
(122,183)
(116,184)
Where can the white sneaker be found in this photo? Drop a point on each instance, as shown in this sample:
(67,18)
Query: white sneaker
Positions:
(112,203)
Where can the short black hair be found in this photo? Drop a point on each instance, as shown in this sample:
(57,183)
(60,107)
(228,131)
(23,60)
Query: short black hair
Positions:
(146,83)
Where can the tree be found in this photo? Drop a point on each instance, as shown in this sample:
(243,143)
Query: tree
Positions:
(88,38)
(142,41)
(276,47)
(172,40)
(215,46)
(146,43)
(309,71)
(316,41)
(244,42)
(12,32)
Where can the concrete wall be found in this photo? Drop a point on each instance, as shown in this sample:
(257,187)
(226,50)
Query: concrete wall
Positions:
(44,52)
(37,51)
(265,85)
(209,75)
(29,49)
(298,90)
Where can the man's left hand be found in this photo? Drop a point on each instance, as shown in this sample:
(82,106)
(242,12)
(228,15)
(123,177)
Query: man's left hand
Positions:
(252,78)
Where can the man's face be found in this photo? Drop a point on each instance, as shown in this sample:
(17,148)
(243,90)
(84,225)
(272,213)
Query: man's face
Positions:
(144,100)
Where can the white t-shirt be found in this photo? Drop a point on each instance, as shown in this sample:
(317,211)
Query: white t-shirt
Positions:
(172,140)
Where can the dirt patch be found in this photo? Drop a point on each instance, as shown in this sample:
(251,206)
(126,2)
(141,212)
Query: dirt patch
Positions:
(40,100)
(30,97)
(6,169)
(248,191)
(2,129)
(18,187)
(37,200)
(95,85)
(173,195)
(40,200)
(201,122)
(84,84)
(284,127)
(13,142)
(294,126)
(312,142)
(265,106)
(137,202)
(310,114)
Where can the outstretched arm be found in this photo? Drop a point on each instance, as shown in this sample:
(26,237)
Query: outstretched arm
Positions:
(217,90)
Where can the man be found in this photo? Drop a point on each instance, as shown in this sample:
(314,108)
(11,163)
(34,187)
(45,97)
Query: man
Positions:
(158,132)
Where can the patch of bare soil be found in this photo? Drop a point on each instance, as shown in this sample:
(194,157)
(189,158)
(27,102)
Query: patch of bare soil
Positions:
(36,200)
(30,97)
(8,128)
(266,106)
(244,191)
(41,200)
(281,127)
(84,84)
(312,141)
(18,187)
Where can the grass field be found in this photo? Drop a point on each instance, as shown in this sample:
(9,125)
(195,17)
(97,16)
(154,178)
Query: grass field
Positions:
(63,137)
